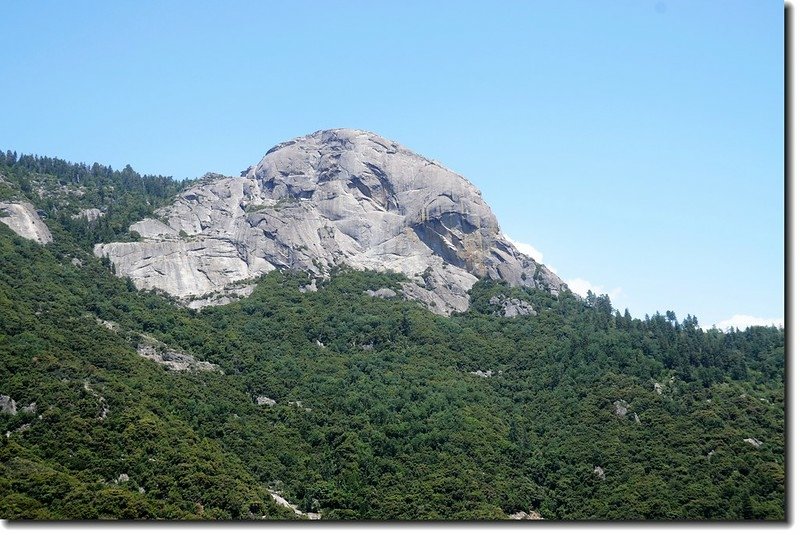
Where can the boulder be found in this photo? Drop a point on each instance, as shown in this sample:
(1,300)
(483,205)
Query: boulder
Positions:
(511,307)
(8,405)
(599,472)
(177,361)
(382,293)
(621,408)
(89,214)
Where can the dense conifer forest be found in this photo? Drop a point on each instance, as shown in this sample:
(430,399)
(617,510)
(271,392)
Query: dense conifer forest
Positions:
(353,406)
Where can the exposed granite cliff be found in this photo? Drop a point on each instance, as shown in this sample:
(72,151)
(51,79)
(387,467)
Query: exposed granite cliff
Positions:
(335,197)
(22,218)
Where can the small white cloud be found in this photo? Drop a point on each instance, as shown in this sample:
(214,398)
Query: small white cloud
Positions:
(526,249)
(582,287)
(743,321)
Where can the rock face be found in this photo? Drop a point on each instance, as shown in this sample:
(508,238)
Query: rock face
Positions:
(621,408)
(89,214)
(599,472)
(335,197)
(754,442)
(522,515)
(280,500)
(152,349)
(23,219)
(511,307)
(8,405)
(382,293)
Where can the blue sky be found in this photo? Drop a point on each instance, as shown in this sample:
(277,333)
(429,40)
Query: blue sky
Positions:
(637,144)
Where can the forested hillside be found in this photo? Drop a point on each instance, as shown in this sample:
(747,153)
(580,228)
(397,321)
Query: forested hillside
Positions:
(355,406)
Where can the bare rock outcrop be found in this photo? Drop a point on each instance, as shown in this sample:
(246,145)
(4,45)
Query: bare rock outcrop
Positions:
(333,198)
(599,472)
(522,515)
(621,408)
(280,500)
(152,349)
(8,405)
(511,307)
(89,214)
(22,218)
(382,293)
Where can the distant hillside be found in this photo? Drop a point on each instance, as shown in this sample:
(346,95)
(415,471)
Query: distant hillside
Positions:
(93,202)
(350,401)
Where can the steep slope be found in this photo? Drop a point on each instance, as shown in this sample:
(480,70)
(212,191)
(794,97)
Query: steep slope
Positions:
(335,197)
(355,407)
(21,217)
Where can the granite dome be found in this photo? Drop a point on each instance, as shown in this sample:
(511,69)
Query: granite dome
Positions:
(334,197)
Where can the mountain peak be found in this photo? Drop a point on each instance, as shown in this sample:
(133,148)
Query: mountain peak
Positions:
(333,197)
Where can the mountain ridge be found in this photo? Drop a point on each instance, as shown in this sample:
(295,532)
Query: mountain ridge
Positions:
(331,198)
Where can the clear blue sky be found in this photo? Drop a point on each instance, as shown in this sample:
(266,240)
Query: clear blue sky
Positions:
(637,144)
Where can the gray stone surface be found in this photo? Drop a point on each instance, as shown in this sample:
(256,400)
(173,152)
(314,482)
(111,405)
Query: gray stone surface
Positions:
(222,297)
(522,515)
(383,293)
(21,217)
(110,325)
(89,214)
(8,405)
(264,400)
(152,349)
(754,442)
(335,197)
(599,472)
(280,500)
(621,408)
(104,408)
(511,307)
(310,287)
(20,429)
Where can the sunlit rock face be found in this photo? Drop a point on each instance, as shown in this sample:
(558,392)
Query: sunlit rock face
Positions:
(22,218)
(335,197)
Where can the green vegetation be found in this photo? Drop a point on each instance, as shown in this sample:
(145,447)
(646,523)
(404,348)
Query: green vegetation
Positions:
(62,189)
(391,423)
